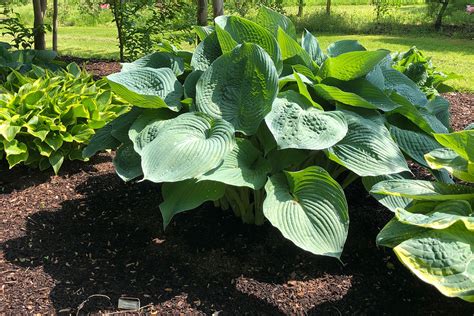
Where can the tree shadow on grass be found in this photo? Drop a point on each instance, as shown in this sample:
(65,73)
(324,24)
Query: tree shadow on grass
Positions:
(112,242)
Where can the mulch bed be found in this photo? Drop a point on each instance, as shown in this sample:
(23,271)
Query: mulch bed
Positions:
(85,232)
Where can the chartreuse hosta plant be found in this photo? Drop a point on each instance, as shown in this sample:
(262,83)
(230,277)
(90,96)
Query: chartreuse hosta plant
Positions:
(47,117)
(266,126)
(433,235)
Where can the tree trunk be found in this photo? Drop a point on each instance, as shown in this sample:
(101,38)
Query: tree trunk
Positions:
(202,12)
(55,25)
(328,7)
(117,11)
(218,7)
(439,18)
(300,8)
(38,26)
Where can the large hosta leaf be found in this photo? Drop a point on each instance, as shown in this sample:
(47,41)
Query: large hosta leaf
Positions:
(101,140)
(242,167)
(414,144)
(404,86)
(368,149)
(310,209)
(443,258)
(157,60)
(245,31)
(448,159)
(344,46)
(424,190)
(312,47)
(187,147)
(350,66)
(127,162)
(444,215)
(187,195)
(295,123)
(331,93)
(272,20)
(292,52)
(148,87)
(239,87)
(461,142)
(389,201)
(206,52)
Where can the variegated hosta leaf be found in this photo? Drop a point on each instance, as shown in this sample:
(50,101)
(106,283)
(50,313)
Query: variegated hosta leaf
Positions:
(187,195)
(344,46)
(310,209)
(187,147)
(443,258)
(350,66)
(244,166)
(272,20)
(443,216)
(239,87)
(389,201)
(157,60)
(127,162)
(206,52)
(424,190)
(414,144)
(368,149)
(395,232)
(295,123)
(445,158)
(461,142)
(244,31)
(148,87)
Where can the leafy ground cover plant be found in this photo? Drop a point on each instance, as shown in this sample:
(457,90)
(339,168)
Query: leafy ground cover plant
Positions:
(432,232)
(47,117)
(23,60)
(420,69)
(267,127)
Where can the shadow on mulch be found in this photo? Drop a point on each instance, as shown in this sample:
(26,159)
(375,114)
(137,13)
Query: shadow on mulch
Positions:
(111,242)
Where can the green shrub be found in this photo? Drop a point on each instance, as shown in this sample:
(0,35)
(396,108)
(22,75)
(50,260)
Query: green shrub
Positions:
(47,117)
(266,127)
(432,232)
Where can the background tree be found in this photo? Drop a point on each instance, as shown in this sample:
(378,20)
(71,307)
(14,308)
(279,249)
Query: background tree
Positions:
(300,7)
(39,10)
(441,12)
(202,12)
(55,25)
(218,7)
(328,7)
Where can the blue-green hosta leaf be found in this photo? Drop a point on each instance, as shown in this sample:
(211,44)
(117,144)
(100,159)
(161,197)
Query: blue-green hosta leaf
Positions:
(420,116)
(187,147)
(239,87)
(368,149)
(145,128)
(242,167)
(350,66)
(292,53)
(344,46)
(190,83)
(395,232)
(448,159)
(312,47)
(461,142)
(272,20)
(121,125)
(157,60)
(404,86)
(283,81)
(442,258)
(310,209)
(424,190)
(127,162)
(439,107)
(390,202)
(287,159)
(415,144)
(203,31)
(206,52)
(331,93)
(443,216)
(148,87)
(295,123)
(101,140)
(245,31)
(186,195)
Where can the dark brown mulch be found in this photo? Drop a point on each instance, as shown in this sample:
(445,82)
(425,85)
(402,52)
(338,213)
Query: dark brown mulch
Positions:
(462,109)
(85,232)
(99,67)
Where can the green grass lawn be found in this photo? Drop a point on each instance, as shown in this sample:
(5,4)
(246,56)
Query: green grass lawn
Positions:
(449,55)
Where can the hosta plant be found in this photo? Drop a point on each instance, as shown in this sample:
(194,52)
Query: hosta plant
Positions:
(268,127)
(47,117)
(433,234)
